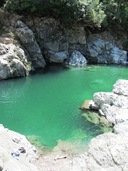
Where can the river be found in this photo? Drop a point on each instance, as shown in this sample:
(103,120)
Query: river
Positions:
(47,103)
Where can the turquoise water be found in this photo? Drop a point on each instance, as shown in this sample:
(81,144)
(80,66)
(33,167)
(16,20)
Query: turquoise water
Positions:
(47,104)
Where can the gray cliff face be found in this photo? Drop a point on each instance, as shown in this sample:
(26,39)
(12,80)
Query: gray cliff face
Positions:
(45,40)
(28,40)
(52,39)
(102,52)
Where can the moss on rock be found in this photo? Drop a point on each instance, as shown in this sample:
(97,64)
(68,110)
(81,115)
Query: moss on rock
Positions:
(99,121)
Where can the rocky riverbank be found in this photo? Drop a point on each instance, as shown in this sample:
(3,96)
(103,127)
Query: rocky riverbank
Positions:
(16,153)
(114,105)
(28,44)
(106,152)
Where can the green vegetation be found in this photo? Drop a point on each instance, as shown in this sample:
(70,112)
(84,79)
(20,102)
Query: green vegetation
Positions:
(116,12)
(93,13)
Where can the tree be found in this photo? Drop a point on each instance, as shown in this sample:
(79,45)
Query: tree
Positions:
(68,11)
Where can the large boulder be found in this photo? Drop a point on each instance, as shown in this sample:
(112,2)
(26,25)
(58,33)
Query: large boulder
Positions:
(121,87)
(114,114)
(114,105)
(111,98)
(13,61)
(108,152)
(102,52)
(77,59)
(16,153)
(28,40)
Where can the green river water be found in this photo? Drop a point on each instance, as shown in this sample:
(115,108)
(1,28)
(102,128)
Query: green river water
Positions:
(47,104)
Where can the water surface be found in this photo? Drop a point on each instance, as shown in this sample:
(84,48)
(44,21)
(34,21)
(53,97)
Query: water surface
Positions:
(47,104)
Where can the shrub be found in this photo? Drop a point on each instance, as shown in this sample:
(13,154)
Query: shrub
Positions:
(116,11)
(68,11)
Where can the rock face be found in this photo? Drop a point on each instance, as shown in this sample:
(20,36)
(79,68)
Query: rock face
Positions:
(45,40)
(101,52)
(52,39)
(108,152)
(114,105)
(28,40)
(13,60)
(16,153)
(56,41)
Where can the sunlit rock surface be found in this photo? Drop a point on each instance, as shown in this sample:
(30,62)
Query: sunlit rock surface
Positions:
(16,153)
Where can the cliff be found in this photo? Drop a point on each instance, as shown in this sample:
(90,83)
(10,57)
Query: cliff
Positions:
(31,43)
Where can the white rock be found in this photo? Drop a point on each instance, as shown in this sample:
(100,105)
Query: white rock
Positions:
(121,87)
(108,152)
(24,162)
(121,127)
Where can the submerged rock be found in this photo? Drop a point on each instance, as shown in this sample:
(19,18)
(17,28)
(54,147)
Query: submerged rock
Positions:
(101,122)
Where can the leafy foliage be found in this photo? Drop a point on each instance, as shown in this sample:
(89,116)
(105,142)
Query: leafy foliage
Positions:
(68,11)
(92,13)
(116,11)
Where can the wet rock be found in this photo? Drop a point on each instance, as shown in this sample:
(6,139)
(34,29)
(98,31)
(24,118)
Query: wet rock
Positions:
(101,122)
